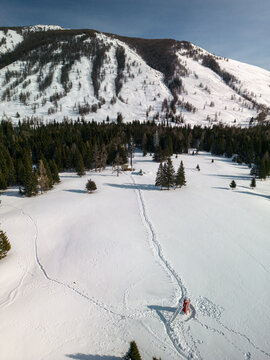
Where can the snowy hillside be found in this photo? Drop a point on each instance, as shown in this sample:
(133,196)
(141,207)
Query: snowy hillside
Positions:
(9,39)
(47,73)
(71,289)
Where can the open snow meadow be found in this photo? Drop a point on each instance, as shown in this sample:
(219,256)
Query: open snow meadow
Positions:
(88,273)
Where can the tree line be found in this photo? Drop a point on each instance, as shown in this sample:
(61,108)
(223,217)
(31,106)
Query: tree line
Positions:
(32,153)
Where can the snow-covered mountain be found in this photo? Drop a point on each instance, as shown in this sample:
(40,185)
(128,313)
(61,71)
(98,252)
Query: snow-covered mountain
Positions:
(47,72)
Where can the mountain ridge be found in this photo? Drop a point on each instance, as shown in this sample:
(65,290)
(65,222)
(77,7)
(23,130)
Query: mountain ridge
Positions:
(48,73)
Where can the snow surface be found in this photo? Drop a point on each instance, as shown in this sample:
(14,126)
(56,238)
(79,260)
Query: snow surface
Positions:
(88,273)
(34,28)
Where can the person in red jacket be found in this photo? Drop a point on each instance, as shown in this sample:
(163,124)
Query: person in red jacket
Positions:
(186,306)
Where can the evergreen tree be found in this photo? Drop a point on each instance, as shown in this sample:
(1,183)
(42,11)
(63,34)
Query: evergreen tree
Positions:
(198,167)
(3,183)
(103,158)
(133,352)
(180,179)
(96,156)
(43,179)
(30,181)
(254,171)
(48,173)
(159,154)
(253,183)
(156,140)
(160,176)
(19,171)
(54,171)
(91,186)
(144,144)
(169,174)
(233,184)
(79,165)
(4,245)
(262,170)
(131,150)
(116,164)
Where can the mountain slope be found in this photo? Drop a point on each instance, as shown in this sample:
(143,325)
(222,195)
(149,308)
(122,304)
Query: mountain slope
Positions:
(48,73)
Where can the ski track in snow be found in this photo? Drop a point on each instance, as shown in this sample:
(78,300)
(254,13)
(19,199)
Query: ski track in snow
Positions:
(192,349)
(172,273)
(14,292)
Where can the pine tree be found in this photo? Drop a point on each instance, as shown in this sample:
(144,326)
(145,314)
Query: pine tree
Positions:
(54,171)
(233,184)
(156,140)
(79,165)
(253,183)
(4,245)
(198,167)
(158,154)
(160,176)
(131,149)
(30,181)
(169,174)
(103,158)
(3,183)
(262,170)
(43,179)
(144,144)
(180,179)
(116,164)
(91,186)
(133,352)
(48,172)
(96,156)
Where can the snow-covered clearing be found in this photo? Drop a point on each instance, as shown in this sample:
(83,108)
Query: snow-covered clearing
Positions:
(89,273)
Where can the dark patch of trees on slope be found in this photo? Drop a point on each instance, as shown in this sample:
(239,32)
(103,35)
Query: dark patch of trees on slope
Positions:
(80,145)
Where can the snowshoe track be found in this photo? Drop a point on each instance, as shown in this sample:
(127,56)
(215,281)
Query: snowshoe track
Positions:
(186,345)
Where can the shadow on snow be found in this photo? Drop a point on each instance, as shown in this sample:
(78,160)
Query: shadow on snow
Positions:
(80,356)
(134,187)
(76,191)
(251,192)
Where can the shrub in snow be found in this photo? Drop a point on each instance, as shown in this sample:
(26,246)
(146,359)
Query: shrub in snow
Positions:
(4,245)
(253,183)
(233,184)
(91,186)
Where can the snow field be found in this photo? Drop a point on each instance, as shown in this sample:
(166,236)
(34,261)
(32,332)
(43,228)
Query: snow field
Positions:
(89,273)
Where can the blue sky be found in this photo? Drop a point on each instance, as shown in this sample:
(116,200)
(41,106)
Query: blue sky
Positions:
(238,29)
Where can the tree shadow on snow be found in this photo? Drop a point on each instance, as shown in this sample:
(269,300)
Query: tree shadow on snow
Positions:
(243,192)
(253,193)
(80,356)
(12,192)
(134,187)
(75,191)
(232,177)
(220,188)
